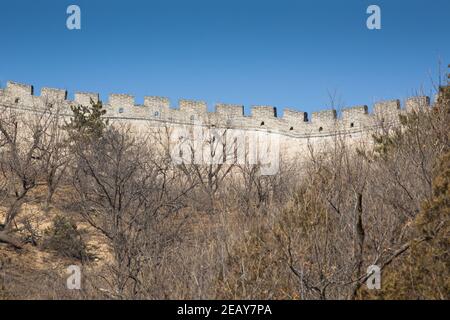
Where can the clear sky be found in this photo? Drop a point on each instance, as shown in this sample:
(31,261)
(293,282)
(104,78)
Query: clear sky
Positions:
(277,52)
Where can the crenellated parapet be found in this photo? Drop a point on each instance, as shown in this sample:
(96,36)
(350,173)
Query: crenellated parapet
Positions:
(264,112)
(355,116)
(295,117)
(326,116)
(193,108)
(354,112)
(20,93)
(157,103)
(158,110)
(229,110)
(18,89)
(417,103)
(53,95)
(86,98)
(387,109)
(121,102)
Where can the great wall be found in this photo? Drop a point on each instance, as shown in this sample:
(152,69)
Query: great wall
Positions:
(157,109)
(294,128)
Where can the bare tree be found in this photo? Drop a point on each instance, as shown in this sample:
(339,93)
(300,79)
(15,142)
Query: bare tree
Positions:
(125,196)
(21,138)
(55,154)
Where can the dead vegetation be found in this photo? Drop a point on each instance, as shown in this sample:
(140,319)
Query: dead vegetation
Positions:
(90,193)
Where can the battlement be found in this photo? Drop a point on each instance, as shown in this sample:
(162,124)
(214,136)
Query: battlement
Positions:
(161,103)
(193,107)
(354,112)
(324,116)
(20,93)
(18,89)
(293,122)
(264,112)
(54,95)
(86,98)
(230,110)
(121,101)
(417,103)
(387,107)
(295,117)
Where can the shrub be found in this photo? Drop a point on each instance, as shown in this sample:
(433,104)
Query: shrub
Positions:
(64,238)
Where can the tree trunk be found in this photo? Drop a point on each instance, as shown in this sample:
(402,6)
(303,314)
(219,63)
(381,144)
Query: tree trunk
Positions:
(358,246)
(49,197)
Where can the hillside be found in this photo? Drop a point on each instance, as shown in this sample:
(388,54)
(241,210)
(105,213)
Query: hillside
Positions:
(89,193)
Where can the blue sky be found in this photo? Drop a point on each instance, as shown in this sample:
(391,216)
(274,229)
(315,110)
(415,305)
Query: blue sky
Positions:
(279,52)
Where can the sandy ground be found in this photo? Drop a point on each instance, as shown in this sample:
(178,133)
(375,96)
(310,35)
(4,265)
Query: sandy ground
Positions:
(23,271)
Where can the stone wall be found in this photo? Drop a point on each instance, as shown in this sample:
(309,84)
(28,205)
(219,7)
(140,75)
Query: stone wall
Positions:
(157,110)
